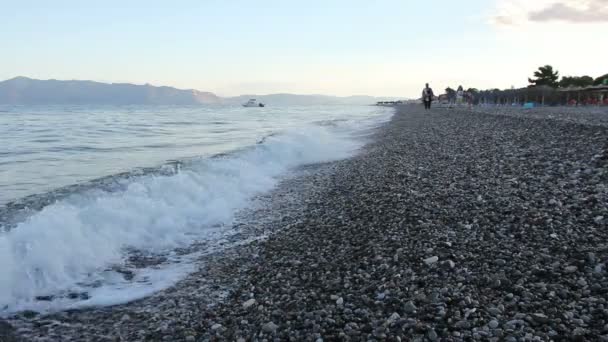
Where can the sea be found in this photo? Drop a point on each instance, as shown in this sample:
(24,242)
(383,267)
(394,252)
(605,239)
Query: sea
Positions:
(84,188)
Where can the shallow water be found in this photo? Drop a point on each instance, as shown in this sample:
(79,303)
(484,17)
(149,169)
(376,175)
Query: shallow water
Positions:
(84,189)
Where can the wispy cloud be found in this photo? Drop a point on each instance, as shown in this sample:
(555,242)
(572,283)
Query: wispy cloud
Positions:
(573,11)
(514,12)
(503,20)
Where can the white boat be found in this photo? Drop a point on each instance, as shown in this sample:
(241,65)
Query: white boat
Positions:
(253,103)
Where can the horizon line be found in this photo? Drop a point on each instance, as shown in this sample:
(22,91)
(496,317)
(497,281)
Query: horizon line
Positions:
(193,89)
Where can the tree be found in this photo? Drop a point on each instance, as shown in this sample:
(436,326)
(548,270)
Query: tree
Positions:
(583,81)
(601,80)
(545,76)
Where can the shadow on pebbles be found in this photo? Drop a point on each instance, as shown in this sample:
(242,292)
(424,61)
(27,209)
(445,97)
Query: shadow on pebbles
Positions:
(451,225)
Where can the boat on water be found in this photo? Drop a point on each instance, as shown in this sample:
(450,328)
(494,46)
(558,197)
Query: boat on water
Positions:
(253,103)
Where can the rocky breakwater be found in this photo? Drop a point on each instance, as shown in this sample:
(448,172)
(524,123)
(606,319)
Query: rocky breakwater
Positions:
(452,225)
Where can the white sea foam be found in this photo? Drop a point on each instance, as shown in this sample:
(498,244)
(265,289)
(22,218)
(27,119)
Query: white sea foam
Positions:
(71,246)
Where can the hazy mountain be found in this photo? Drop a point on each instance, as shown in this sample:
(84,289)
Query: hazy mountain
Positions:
(23,90)
(293,99)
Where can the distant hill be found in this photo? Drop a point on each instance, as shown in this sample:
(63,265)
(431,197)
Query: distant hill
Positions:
(28,91)
(293,99)
(23,90)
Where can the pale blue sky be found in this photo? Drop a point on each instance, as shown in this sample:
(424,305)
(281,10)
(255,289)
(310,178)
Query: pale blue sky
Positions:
(332,47)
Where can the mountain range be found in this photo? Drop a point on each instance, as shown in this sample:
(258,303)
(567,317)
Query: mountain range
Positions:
(27,91)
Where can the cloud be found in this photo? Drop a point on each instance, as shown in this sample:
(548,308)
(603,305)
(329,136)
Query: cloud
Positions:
(591,11)
(516,12)
(503,20)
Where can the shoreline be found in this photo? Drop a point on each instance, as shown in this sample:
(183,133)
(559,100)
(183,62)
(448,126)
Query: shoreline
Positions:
(154,317)
(449,225)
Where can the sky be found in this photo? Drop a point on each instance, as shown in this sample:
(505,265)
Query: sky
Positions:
(335,47)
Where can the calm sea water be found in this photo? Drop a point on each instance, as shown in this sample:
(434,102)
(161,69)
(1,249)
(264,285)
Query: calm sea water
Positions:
(49,147)
(81,187)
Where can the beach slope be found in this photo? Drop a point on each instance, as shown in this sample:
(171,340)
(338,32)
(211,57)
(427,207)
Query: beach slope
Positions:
(451,225)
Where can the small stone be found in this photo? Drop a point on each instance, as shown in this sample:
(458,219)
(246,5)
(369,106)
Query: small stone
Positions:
(579,332)
(494,311)
(125,317)
(469,312)
(340,301)
(515,322)
(500,262)
(449,263)
(409,307)
(578,321)
(493,324)
(591,258)
(269,327)
(431,260)
(334,297)
(432,335)
(571,269)
(248,303)
(216,326)
(462,325)
(540,318)
(598,268)
(393,318)
(190,338)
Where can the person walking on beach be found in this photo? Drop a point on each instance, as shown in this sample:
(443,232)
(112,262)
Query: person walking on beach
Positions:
(427,96)
(459,96)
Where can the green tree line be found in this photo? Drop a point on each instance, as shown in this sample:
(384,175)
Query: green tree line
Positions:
(547,76)
(544,87)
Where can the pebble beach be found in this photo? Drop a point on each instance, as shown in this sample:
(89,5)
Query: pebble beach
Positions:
(450,225)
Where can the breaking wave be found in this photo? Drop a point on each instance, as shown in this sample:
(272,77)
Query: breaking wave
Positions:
(74,250)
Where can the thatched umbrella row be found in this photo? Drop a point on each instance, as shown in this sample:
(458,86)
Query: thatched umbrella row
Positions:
(544,95)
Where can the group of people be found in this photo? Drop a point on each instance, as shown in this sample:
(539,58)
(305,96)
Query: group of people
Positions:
(460,97)
(591,101)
